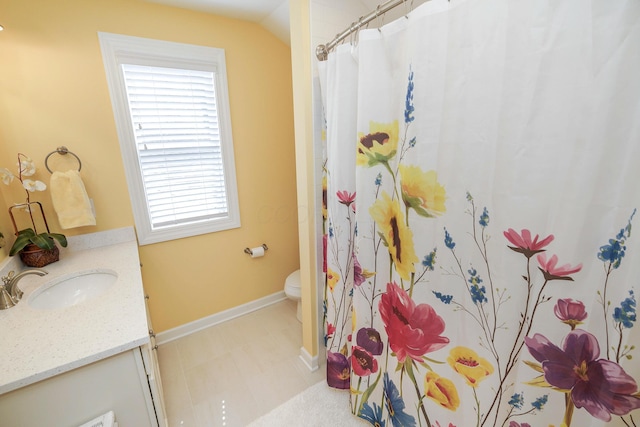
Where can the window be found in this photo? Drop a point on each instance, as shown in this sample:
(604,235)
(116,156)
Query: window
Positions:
(171,109)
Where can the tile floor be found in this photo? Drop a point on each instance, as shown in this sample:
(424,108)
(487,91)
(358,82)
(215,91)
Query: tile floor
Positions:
(234,372)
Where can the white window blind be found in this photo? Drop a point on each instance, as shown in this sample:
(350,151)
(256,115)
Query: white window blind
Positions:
(177,138)
(171,108)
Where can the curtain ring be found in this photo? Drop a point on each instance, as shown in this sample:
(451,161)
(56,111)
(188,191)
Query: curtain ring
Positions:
(351,33)
(341,40)
(358,25)
(377,15)
(410,9)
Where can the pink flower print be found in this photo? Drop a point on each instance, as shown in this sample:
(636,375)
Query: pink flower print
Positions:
(363,362)
(552,272)
(330,330)
(524,244)
(570,312)
(345,197)
(516,424)
(324,252)
(600,386)
(413,329)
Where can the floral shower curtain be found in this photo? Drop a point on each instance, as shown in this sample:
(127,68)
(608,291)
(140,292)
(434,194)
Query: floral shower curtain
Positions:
(481,191)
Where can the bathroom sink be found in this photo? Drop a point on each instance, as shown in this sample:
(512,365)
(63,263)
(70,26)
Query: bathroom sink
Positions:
(72,289)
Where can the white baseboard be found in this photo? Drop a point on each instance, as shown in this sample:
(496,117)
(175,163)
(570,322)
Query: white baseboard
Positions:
(214,319)
(310,361)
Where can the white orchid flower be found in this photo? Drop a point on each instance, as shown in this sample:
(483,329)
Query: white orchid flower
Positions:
(6,176)
(22,207)
(27,167)
(31,185)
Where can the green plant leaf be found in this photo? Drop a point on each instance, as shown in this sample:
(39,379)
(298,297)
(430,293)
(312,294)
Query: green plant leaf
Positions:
(60,238)
(367,393)
(27,232)
(21,241)
(43,241)
(409,365)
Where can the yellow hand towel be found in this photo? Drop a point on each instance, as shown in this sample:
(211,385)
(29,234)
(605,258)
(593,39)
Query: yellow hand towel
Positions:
(70,200)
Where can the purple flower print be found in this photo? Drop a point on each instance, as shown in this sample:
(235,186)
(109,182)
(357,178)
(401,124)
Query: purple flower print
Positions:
(600,386)
(338,370)
(358,276)
(570,312)
(369,339)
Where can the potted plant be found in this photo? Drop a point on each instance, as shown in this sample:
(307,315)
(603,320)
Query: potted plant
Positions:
(36,249)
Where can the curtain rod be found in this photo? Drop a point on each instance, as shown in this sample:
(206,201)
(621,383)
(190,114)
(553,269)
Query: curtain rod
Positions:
(322,50)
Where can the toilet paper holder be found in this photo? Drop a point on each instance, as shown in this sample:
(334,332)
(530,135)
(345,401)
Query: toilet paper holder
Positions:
(250,252)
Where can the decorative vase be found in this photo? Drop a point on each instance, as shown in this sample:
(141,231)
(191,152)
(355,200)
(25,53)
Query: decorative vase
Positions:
(34,256)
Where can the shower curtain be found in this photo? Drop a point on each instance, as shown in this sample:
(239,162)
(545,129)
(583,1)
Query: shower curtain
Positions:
(481,186)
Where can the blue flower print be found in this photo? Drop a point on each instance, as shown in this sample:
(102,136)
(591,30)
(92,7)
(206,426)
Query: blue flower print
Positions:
(448,240)
(429,260)
(484,218)
(373,415)
(517,400)
(444,298)
(626,313)
(395,405)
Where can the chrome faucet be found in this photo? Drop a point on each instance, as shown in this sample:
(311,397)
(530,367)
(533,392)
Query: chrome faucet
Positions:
(10,293)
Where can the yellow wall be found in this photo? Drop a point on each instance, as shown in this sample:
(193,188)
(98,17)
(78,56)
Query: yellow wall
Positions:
(308,233)
(53,92)
(5,228)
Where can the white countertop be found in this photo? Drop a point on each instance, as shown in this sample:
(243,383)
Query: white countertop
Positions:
(37,344)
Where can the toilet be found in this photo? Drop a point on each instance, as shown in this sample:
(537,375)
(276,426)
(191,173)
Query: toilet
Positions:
(292,290)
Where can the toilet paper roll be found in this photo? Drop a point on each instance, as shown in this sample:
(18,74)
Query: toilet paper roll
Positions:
(257,252)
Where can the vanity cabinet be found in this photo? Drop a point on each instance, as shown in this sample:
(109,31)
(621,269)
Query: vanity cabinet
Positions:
(120,383)
(150,358)
(62,367)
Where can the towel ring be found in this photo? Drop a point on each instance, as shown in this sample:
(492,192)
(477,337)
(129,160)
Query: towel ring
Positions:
(62,151)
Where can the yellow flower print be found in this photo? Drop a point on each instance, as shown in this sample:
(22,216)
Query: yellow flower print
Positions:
(353,319)
(467,363)
(379,145)
(441,390)
(332,278)
(422,191)
(398,237)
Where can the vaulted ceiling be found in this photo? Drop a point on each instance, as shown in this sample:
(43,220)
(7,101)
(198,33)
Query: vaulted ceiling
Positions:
(271,14)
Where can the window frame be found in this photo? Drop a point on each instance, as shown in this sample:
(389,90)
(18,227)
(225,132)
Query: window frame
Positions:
(120,49)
